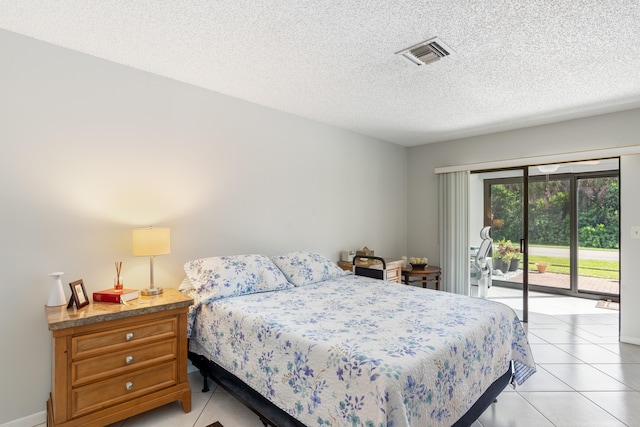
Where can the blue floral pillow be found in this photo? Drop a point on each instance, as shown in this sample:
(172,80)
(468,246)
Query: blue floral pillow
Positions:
(304,268)
(228,276)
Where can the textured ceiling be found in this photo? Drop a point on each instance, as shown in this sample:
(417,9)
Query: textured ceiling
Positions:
(516,63)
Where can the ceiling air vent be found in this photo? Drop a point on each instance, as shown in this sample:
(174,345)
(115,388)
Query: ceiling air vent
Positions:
(426,52)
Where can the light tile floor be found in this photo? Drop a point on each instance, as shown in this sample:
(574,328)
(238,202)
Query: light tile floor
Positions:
(585,376)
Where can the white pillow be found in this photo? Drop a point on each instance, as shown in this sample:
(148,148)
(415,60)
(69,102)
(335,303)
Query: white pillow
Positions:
(304,268)
(228,276)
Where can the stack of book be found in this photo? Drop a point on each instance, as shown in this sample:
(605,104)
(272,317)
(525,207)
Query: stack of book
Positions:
(111,295)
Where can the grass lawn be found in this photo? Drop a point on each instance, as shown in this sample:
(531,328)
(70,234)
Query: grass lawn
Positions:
(588,268)
(582,248)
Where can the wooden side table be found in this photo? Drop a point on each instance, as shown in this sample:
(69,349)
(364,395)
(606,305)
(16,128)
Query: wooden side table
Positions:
(430,274)
(113,361)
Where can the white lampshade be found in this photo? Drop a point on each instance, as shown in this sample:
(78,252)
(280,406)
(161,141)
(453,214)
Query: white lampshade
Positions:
(151,241)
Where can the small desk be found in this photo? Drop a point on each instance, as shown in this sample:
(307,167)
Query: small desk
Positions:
(430,274)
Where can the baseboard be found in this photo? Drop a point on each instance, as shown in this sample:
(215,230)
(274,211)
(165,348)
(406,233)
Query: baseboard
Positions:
(36,419)
(630,340)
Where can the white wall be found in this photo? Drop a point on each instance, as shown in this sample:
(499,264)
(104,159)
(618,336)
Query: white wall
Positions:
(91,149)
(630,249)
(605,131)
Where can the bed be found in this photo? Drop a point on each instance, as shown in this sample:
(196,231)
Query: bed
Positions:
(302,342)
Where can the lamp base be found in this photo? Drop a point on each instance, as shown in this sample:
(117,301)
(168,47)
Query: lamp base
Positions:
(151,291)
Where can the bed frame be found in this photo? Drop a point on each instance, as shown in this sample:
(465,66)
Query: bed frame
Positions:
(271,415)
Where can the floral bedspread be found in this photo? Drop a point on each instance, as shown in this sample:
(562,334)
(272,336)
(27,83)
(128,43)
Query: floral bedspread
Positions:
(354,351)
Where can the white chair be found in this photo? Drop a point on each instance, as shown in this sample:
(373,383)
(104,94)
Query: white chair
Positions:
(480,268)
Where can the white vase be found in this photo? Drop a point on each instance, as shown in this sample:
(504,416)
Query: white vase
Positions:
(56,297)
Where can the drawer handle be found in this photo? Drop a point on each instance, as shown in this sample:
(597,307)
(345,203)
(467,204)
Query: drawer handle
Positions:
(129,336)
(128,359)
(129,385)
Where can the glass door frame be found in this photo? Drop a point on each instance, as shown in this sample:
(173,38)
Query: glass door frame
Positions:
(573,233)
(524,238)
(575,257)
(524,244)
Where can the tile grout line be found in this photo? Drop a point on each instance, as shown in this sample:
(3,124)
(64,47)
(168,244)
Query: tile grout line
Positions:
(601,407)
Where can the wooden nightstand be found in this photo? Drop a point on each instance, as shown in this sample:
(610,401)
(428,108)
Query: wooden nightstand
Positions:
(394,267)
(113,361)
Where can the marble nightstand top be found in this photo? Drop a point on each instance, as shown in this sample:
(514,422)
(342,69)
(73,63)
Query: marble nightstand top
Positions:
(62,318)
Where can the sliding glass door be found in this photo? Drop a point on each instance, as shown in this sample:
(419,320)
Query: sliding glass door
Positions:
(571,221)
(505,193)
(598,234)
(550,224)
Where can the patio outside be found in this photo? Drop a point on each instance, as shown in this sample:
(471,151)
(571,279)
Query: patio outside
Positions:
(586,283)
(557,280)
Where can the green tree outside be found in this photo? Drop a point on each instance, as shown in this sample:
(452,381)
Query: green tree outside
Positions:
(598,201)
(549,212)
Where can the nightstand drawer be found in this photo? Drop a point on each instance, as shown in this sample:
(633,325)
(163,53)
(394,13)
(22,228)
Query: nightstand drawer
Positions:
(110,392)
(117,339)
(109,365)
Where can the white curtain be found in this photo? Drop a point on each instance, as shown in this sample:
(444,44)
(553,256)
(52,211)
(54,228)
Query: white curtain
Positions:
(454,231)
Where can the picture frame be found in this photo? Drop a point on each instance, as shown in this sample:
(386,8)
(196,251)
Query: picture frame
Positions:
(79,295)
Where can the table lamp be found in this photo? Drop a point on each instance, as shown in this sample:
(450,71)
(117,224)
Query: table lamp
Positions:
(151,242)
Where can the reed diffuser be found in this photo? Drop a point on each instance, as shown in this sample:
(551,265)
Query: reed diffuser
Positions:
(118,282)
